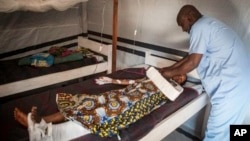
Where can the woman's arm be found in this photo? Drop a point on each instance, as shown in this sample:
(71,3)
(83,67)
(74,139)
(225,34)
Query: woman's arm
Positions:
(107,80)
(125,81)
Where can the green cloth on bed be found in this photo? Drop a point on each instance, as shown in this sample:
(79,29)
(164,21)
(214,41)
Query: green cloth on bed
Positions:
(24,61)
(57,60)
(68,58)
(42,60)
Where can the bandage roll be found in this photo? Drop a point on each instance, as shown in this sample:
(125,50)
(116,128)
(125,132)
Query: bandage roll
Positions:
(118,81)
(131,81)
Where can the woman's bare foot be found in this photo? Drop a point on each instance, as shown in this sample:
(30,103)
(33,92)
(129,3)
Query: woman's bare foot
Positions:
(20,117)
(34,117)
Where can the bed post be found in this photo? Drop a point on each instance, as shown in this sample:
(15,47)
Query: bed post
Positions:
(114,44)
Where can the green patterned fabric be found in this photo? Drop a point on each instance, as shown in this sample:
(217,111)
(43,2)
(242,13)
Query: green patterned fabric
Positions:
(136,112)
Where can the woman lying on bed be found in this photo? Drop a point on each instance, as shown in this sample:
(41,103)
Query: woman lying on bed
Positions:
(103,114)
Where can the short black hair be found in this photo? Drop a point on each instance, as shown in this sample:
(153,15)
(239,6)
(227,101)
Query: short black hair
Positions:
(188,10)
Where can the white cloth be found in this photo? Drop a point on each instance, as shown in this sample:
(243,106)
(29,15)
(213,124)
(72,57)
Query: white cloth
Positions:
(54,132)
(39,132)
(103,80)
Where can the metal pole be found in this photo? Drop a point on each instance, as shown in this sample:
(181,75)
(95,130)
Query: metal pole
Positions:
(114,42)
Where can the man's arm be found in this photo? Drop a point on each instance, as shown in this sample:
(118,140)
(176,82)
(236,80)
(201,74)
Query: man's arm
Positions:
(180,62)
(184,66)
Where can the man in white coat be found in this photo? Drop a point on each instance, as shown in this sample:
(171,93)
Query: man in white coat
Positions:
(222,62)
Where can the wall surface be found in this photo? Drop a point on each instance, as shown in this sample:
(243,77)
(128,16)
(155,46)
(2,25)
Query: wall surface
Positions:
(154,21)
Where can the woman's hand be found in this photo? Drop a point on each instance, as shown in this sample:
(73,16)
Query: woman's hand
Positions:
(103,80)
(107,80)
(180,78)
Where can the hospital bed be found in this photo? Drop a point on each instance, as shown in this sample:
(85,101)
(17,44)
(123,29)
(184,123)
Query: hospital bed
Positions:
(176,119)
(41,77)
(154,126)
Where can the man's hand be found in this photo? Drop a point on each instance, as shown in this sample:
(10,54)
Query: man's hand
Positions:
(165,72)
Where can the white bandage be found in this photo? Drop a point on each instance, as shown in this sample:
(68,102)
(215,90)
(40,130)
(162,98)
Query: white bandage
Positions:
(39,131)
(118,81)
(55,132)
(103,80)
(131,81)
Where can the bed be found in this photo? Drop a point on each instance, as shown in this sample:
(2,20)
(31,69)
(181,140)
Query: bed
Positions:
(176,119)
(163,120)
(30,78)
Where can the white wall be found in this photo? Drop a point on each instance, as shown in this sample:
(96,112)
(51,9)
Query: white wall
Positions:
(155,20)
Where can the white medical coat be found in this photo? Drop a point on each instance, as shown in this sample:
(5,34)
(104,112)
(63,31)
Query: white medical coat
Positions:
(224,72)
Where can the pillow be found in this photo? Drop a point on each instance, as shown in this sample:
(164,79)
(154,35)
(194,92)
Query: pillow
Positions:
(98,58)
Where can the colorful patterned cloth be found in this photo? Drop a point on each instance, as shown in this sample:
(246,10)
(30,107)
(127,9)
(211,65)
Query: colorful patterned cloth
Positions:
(59,51)
(107,113)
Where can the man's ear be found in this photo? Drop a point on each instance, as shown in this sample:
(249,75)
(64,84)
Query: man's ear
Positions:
(191,17)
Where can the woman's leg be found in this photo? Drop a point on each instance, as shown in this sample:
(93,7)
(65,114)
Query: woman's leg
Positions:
(54,118)
(20,117)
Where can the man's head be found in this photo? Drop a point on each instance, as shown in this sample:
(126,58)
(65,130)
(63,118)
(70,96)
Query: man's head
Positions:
(187,16)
